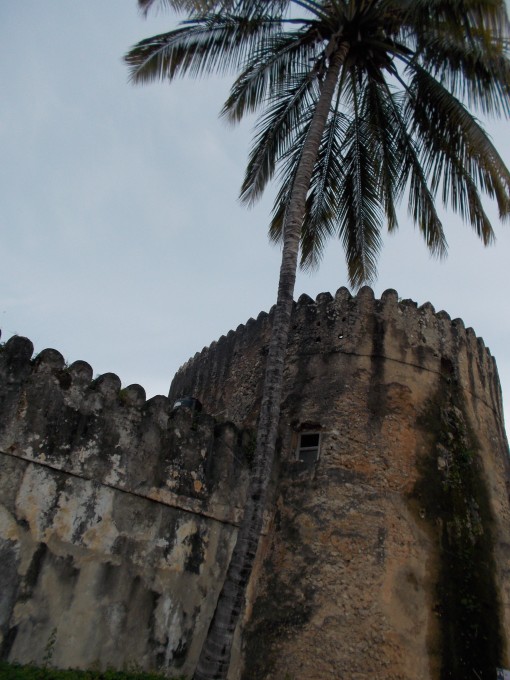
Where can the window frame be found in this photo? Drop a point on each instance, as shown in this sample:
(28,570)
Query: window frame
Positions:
(308,450)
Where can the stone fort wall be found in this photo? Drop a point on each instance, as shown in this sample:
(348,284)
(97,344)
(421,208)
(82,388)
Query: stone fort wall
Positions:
(386,556)
(117,517)
(227,375)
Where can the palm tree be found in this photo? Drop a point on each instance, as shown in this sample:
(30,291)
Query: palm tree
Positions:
(363,103)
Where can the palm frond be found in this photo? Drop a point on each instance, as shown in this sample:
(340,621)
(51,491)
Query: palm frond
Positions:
(421,204)
(477,71)
(276,60)
(449,135)
(320,219)
(460,16)
(465,199)
(210,44)
(380,116)
(278,129)
(286,175)
(146,6)
(360,215)
(205,6)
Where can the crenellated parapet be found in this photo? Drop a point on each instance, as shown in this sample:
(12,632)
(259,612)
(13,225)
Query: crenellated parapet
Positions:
(117,517)
(227,375)
(386,547)
(61,417)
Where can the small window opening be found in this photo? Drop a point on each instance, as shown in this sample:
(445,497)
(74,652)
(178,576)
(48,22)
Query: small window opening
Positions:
(308,447)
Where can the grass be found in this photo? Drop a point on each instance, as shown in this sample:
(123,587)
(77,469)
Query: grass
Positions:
(10,671)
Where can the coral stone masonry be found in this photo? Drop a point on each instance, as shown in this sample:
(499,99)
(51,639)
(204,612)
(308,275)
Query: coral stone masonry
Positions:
(117,517)
(386,549)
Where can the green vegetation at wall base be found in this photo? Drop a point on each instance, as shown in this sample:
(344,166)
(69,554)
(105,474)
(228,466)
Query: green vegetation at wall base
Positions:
(16,672)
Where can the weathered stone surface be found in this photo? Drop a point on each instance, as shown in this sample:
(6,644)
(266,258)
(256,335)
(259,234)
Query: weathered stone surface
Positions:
(362,573)
(387,557)
(117,517)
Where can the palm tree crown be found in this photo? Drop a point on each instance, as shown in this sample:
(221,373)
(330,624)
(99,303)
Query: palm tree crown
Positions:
(398,123)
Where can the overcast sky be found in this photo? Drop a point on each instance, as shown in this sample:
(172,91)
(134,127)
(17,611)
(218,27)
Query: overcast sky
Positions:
(123,243)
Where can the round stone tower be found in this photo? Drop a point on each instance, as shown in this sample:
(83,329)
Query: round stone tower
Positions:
(387,553)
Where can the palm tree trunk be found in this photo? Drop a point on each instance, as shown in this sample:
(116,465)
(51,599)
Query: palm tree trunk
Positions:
(215,655)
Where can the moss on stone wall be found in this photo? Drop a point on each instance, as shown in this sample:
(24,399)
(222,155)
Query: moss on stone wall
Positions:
(452,497)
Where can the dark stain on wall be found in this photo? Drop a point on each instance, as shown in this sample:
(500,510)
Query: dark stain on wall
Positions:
(33,571)
(287,604)
(10,583)
(453,499)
